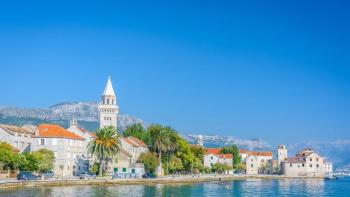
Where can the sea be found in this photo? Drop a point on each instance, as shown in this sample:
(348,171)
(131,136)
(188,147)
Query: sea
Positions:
(244,187)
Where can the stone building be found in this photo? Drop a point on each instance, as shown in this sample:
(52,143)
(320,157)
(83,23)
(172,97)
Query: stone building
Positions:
(257,162)
(213,156)
(67,147)
(18,137)
(305,163)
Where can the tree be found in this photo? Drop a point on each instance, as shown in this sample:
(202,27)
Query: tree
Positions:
(234,150)
(29,162)
(175,164)
(138,131)
(161,139)
(45,159)
(9,158)
(221,168)
(105,145)
(94,168)
(150,160)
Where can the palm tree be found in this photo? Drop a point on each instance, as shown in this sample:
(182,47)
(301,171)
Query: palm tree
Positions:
(105,145)
(162,140)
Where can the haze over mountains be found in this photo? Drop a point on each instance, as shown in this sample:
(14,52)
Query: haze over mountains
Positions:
(87,115)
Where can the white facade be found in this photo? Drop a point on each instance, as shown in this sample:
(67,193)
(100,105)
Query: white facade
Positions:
(108,107)
(282,154)
(252,165)
(328,167)
(18,137)
(211,159)
(67,147)
(305,163)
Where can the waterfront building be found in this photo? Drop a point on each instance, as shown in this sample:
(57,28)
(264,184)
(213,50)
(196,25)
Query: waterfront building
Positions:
(328,167)
(18,137)
(67,147)
(213,156)
(127,159)
(88,136)
(282,154)
(305,163)
(108,107)
(257,162)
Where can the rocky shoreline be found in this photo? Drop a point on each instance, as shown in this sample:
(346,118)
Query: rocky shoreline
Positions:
(161,180)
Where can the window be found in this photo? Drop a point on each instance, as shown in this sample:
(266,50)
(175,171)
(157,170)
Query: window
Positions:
(115,170)
(316,159)
(251,165)
(310,165)
(124,169)
(302,165)
(42,141)
(133,171)
(317,166)
(290,165)
(310,159)
(211,158)
(54,141)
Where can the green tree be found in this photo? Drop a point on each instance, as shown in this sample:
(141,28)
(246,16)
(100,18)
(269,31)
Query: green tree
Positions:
(150,160)
(45,159)
(105,145)
(138,131)
(221,168)
(29,162)
(234,150)
(161,140)
(175,164)
(94,168)
(9,158)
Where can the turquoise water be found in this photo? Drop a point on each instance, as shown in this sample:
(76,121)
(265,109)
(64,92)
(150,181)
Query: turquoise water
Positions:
(247,187)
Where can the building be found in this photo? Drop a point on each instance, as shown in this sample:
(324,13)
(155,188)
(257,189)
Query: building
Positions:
(200,140)
(328,167)
(252,165)
(282,154)
(67,147)
(257,162)
(127,159)
(88,136)
(213,156)
(18,137)
(108,107)
(305,163)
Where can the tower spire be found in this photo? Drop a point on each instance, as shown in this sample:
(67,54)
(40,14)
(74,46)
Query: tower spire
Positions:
(108,88)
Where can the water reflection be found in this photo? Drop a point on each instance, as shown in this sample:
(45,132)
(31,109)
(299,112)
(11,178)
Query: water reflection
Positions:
(247,187)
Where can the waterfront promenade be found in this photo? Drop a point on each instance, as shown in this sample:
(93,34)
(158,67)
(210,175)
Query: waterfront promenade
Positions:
(173,179)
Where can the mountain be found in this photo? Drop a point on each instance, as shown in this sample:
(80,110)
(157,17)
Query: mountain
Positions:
(219,141)
(85,112)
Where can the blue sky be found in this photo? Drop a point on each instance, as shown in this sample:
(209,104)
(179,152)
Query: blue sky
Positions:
(277,71)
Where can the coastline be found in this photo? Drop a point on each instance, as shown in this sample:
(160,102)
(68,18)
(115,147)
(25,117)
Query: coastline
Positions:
(107,181)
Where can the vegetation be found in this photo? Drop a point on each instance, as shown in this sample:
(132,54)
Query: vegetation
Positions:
(150,160)
(37,161)
(106,145)
(234,150)
(221,168)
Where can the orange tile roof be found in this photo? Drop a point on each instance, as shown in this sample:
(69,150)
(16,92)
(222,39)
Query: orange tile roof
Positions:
(255,153)
(213,150)
(55,131)
(138,141)
(230,156)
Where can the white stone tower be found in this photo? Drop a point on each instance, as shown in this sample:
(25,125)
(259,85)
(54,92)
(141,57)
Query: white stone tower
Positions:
(281,155)
(108,107)
(200,140)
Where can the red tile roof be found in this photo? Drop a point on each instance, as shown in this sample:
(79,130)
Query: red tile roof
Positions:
(55,131)
(294,160)
(255,153)
(230,156)
(127,140)
(213,150)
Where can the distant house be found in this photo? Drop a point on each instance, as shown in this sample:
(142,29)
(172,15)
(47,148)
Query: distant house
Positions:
(18,137)
(127,159)
(213,156)
(306,163)
(67,147)
(257,162)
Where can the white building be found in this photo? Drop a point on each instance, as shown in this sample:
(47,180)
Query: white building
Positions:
(88,136)
(67,147)
(305,163)
(282,154)
(18,137)
(257,162)
(108,107)
(213,156)
(328,167)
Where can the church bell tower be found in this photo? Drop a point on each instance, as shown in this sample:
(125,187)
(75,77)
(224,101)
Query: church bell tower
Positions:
(108,107)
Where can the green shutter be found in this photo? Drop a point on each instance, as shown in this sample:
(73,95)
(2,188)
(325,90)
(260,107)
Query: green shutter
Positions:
(124,169)
(115,169)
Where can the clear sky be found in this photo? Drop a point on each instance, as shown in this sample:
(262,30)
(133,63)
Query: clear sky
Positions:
(277,71)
